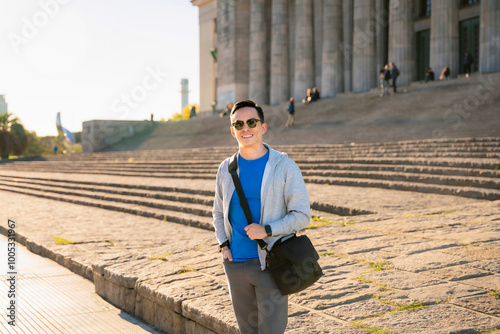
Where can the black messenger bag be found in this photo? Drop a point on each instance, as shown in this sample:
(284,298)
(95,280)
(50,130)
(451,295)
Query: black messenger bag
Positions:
(293,261)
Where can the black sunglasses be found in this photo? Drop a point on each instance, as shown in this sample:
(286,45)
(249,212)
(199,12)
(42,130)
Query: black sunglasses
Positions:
(252,123)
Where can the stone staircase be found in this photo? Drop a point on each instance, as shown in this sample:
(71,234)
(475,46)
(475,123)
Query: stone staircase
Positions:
(464,167)
(459,108)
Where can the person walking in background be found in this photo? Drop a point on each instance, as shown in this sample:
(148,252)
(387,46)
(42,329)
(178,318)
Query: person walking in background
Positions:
(279,205)
(429,76)
(291,113)
(468,60)
(394,76)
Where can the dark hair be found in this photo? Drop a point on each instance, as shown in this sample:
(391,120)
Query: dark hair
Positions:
(251,104)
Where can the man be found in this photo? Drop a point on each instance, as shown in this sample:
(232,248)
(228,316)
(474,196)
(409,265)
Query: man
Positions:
(279,204)
(394,76)
(468,60)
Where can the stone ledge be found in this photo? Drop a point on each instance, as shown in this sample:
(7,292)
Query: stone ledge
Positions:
(182,306)
(81,269)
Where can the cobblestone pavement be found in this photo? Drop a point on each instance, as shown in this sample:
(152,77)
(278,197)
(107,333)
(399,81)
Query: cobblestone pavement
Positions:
(52,299)
(420,263)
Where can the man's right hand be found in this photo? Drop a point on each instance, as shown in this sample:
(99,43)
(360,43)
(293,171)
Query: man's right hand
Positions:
(226,253)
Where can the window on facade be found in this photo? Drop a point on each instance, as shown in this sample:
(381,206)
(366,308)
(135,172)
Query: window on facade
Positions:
(465,3)
(425,8)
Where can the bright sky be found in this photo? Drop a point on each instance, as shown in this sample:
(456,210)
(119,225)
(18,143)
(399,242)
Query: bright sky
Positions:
(96,59)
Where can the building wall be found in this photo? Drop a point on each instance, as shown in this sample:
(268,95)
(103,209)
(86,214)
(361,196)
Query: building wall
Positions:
(207,19)
(371,32)
(100,134)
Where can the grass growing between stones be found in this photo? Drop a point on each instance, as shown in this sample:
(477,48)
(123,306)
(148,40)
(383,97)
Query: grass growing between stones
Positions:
(62,241)
(380,265)
(404,307)
(495,293)
(372,329)
(327,253)
(184,270)
(162,257)
(382,286)
(416,305)
(320,222)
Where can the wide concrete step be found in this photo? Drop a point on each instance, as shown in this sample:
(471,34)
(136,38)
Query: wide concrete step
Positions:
(162,204)
(120,169)
(470,192)
(437,170)
(421,177)
(180,200)
(151,212)
(490,164)
(461,145)
(492,153)
(119,186)
(179,195)
(459,181)
(469,163)
(186,175)
(209,167)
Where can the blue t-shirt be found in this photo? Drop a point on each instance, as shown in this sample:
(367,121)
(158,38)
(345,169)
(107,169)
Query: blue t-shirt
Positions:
(251,173)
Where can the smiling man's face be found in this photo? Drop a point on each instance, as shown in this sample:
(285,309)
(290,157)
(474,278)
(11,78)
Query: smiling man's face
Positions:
(248,137)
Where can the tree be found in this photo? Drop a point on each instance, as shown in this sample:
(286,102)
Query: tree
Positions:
(185,114)
(34,144)
(13,138)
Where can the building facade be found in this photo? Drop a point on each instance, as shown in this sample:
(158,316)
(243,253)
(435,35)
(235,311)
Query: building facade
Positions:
(270,50)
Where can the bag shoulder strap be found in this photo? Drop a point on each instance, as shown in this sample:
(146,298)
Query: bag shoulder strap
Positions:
(233,168)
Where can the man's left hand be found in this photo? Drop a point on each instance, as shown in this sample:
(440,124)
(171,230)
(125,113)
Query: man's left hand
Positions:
(256,231)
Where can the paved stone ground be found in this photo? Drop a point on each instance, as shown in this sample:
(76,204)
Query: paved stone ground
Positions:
(422,263)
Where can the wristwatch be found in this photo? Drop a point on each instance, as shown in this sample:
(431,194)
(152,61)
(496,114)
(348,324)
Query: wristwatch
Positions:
(269,231)
(224,244)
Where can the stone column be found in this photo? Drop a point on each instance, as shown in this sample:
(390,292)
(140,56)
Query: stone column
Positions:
(291,44)
(258,54)
(489,47)
(402,41)
(364,69)
(242,48)
(444,36)
(332,60)
(318,42)
(233,49)
(225,59)
(347,18)
(280,71)
(304,48)
(382,19)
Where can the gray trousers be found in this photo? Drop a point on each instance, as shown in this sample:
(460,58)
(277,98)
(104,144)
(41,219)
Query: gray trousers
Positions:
(258,305)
